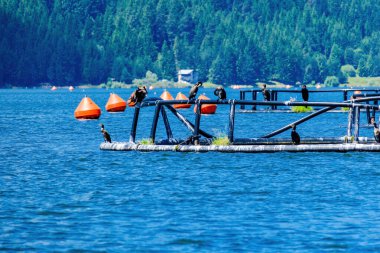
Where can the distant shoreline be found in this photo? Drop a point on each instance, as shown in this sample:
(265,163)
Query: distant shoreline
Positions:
(353,82)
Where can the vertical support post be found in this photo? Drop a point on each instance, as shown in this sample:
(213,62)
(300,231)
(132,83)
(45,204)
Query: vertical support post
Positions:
(254,98)
(197,122)
(132,136)
(232,122)
(344,95)
(357,121)
(275,98)
(169,132)
(242,98)
(154,123)
(374,110)
(272,98)
(350,119)
(368,114)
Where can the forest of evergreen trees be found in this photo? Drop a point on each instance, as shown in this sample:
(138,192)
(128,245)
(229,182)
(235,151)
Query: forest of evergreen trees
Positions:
(228,41)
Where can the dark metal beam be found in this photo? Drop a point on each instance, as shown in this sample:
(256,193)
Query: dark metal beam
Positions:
(169,132)
(187,123)
(231,123)
(132,136)
(154,123)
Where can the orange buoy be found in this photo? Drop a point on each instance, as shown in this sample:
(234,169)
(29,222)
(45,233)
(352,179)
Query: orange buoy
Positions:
(181,96)
(207,108)
(87,109)
(166,96)
(115,104)
(357,92)
(318,86)
(130,100)
(71,88)
(53,88)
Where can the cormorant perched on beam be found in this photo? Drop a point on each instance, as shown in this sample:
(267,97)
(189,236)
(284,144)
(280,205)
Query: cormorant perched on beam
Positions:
(296,139)
(194,90)
(138,96)
(305,93)
(376,133)
(106,135)
(220,92)
(266,93)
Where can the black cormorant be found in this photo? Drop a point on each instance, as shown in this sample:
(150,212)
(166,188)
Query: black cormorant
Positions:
(266,93)
(140,94)
(376,133)
(194,90)
(106,135)
(305,93)
(220,92)
(296,139)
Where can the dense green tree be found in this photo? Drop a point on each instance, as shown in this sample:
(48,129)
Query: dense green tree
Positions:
(226,41)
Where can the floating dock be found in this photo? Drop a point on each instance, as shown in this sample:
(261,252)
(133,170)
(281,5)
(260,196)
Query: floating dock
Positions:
(345,147)
(201,141)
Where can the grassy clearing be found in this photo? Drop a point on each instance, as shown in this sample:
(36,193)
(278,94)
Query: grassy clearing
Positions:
(363,81)
(221,141)
(300,109)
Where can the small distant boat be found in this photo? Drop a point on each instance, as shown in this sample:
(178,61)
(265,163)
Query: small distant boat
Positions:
(53,88)
(206,108)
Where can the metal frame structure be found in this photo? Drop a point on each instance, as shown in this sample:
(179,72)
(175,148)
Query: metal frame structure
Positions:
(160,106)
(274,94)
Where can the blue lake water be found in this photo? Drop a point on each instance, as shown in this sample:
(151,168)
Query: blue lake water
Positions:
(60,193)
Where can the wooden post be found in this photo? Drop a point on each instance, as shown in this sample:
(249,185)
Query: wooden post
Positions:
(154,123)
(272,98)
(232,122)
(169,132)
(357,121)
(254,98)
(197,122)
(344,95)
(132,136)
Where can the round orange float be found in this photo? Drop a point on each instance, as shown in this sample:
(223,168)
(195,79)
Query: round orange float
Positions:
(181,96)
(87,109)
(357,92)
(115,104)
(53,88)
(166,95)
(71,88)
(130,102)
(206,108)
